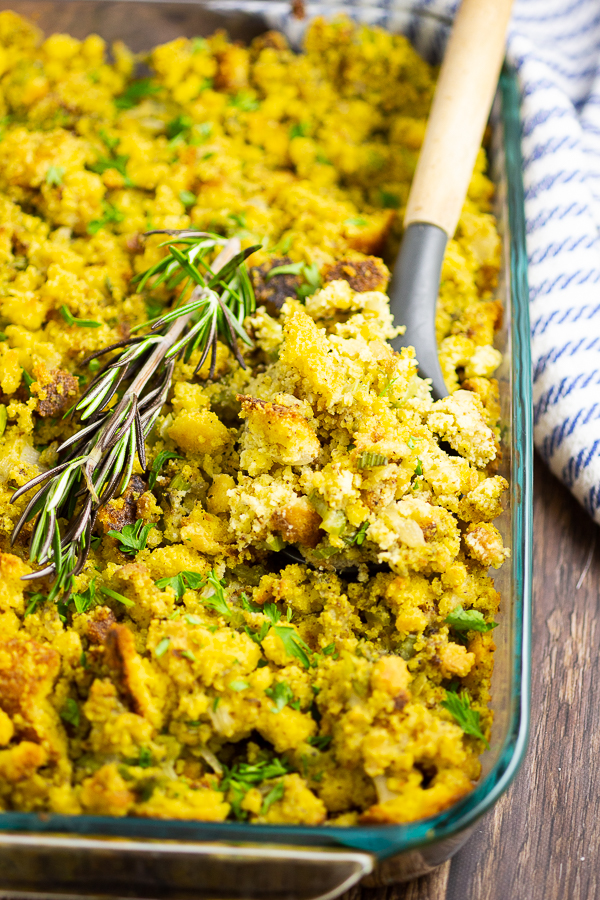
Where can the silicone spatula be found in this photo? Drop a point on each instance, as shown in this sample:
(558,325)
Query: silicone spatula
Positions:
(459,112)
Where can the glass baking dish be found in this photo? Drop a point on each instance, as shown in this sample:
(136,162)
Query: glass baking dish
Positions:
(88,856)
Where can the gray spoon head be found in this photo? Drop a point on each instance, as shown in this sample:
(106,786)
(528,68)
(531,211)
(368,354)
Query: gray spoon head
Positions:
(413,297)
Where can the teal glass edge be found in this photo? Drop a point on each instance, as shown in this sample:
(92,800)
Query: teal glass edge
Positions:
(387,840)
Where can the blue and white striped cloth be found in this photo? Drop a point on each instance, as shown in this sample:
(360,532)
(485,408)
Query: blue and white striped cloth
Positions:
(555,47)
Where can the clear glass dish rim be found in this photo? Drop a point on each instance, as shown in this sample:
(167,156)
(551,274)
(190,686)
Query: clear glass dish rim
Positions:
(387,840)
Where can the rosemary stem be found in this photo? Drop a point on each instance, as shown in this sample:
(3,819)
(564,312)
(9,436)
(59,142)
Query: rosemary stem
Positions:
(132,392)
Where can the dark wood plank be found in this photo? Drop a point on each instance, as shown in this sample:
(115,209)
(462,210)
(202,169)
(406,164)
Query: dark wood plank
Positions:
(541,841)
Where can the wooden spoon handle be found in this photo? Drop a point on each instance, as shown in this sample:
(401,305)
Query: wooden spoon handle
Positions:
(459,112)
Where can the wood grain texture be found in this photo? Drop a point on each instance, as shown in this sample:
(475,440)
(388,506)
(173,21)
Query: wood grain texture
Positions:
(461,105)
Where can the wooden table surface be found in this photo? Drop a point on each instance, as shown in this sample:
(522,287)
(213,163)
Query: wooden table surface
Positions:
(540,842)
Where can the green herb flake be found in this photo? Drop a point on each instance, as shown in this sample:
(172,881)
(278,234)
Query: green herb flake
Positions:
(217,600)
(411,443)
(145,758)
(162,647)
(469,620)
(287,269)
(320,741)
(369,460)
(187,198)
(248,605)
(117,162)
(54,176)
(135,92)
(86,601)
(275,794)
(281,694)
(357,221)
(28,379)
(419,467)
(238,219)
(293,644)
(389,200)
(116,596)
(258,636)
(189,654)
(244,101)
(238,684)
(178,126)
(359,536)
(70,712)
(111,215)
(133,538)
(299,129)
(193,620)
(34,601)
(459,706)
(389,384)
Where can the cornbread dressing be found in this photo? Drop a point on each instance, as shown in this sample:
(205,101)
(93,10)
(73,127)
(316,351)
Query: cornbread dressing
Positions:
(207,676)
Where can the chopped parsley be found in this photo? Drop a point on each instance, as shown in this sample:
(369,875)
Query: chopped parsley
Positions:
(299,129)
(469,620)
(70,712)
(320,741)
(181,582)
(162,647)
(187,198)
(54,176)
(293,644)
(217,600)
(276,793)
(310,273)
(179,126)
(117,162)
(135,92)
(359,536)
(133,538)
(111,215)
(238,684)
(145,758)
(258,636)
(244,101)
(281,694)
(34,601)
(389,200)
(87,600)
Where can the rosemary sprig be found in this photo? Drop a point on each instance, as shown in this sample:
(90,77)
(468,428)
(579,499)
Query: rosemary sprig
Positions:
(96,463)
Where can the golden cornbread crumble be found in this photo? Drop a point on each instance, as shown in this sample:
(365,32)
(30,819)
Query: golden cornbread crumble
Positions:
(205,676)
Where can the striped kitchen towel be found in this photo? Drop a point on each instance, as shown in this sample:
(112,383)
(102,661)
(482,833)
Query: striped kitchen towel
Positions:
(555,47)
